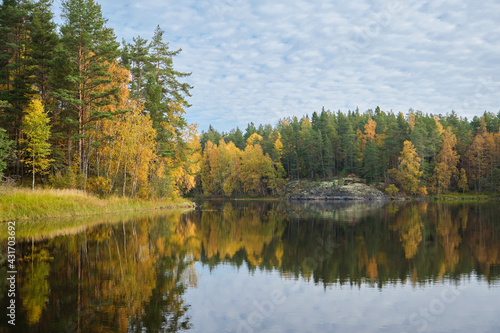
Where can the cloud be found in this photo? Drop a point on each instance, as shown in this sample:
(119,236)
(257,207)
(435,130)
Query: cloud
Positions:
(259,60)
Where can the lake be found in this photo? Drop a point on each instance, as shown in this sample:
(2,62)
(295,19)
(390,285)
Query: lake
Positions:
(266,266)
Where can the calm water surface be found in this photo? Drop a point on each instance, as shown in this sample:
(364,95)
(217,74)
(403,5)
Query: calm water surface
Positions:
(255,266)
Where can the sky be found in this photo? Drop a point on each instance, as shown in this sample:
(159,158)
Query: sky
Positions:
(260,61)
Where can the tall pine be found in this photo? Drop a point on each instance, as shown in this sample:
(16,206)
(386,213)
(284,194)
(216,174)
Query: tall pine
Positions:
(88,49)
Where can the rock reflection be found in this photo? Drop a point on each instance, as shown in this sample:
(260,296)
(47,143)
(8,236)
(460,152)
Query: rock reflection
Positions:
(132,276)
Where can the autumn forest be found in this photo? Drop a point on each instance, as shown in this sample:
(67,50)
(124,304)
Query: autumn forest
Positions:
(81,110)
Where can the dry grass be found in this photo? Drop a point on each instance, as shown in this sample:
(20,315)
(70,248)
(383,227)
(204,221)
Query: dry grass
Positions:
(24,204)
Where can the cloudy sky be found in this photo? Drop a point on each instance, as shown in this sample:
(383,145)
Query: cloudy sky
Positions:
(263,60)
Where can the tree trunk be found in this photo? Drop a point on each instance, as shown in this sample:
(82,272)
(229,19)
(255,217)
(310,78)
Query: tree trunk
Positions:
(124,176)
(33,183)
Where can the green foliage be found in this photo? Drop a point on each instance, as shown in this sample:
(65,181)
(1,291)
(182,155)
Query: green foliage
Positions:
(76,74)
(5,151)
(42,45)
(16,80)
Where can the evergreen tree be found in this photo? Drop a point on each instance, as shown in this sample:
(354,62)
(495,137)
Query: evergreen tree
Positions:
(236,136)
(371,162)
(5,151)
(89,47)
(462,182)
(135,57)
(349,148)
(42,45)
(15,81)
(212,135)
(251,129)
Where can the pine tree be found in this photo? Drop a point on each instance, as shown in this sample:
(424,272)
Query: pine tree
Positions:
(163,91)
(42,44)
(15,80)
(251,129)
(371,162)
(135,58)
(88,49)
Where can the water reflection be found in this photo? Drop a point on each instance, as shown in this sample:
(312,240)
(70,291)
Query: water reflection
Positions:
(423,242)
(132,276)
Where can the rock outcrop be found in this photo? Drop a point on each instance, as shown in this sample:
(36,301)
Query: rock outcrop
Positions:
(331,190)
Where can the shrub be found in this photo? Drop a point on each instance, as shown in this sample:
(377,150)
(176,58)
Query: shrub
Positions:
(99,186)
(391,190)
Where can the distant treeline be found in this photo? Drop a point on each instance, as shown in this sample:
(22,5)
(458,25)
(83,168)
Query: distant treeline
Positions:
(416,153)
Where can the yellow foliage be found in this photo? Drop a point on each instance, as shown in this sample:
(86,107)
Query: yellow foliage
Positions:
(411,121)
(370,129)
(220,168)
(184,175)
(36,131)
(410,227)
(422,190)
(447,160)
(392,190)
(439,126)
(409,168)
(278,146)
(254,139)
(99,185)
(127,142)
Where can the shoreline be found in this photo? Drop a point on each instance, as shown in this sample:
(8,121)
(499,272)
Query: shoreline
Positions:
(19,204)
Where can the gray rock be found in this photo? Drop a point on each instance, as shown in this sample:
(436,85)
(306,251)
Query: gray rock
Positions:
(306,190)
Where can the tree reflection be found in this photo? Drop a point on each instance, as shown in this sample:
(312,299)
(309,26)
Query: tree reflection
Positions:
(398,241)
(34,287)
(409,225)
(125,277)
(132,276)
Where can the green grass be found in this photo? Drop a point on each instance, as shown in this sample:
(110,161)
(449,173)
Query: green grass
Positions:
(18,204)
(454,196)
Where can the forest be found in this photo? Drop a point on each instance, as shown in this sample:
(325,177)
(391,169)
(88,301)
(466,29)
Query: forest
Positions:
(414,154)
(80,110)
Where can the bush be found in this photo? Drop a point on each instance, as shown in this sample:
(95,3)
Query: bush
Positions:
(422,191)
(392,190)
(99,186)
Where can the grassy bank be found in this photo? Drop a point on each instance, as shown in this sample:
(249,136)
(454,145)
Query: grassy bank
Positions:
(465,197)
(24,204)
